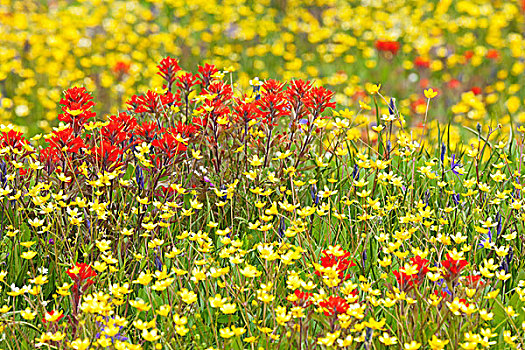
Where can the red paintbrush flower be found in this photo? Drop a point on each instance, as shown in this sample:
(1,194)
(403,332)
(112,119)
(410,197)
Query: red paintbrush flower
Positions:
(334,306)
(422,62)
(13,139)
(302,298)
(453,267)
(51,317)
(76,105)
(151,102)
(64,141)
(120,68)
(408,281)
(205,74)
(169,145)
(186,81)
(318,100)
(472,281)
(106,155)
(168,69)
(476,90)
(388,46)
(81,272)
(492,54)
(339,262)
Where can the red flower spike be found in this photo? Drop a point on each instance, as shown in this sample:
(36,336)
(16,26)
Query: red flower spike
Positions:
(422,62)
(169,145)
(340,263)
(64,141)
(151,102)
(168,69)
(84,272)
(187,81)
(334,306)
(205,74)
(492,54)
(120,68)
(407,282)
(318,100)
(106,156)
(473,281)
(51,313)
(453,267)
(13,139)
(302,298)
(76,105)
(388,46)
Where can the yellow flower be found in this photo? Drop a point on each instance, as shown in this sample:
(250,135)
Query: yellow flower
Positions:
(413,345)
(226,333)
(150,336)
(373,88)
(430,94)
(188,296)
(28,255)
(140,304)
(387,339)
(217,301)
(229,308)
(79,344)
(513,103)
(437,344)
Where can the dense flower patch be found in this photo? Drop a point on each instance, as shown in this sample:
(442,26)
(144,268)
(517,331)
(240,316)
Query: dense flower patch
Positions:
(208,216)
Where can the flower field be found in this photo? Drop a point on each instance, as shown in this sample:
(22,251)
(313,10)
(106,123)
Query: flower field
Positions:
(314,174)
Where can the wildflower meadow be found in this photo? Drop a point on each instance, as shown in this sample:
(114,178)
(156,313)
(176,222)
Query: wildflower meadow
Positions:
(285,174)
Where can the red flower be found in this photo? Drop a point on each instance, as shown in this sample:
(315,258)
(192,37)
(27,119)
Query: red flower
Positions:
(65,142)
(205,74)
(409,281)
(423,83)
(453,267)
(147,131)
(244,111)
(492,54)
(468,55)
(441,293)
(106,156)
(334,306)
(473,281)
(186,130)
(453,83)
(298,91)
(13,139)
(270,107)
(302,298)
(388,46)
(168,68)
(476,90)
(120,68)
(169,145)
(151,102)
(51,313)
(119,128)
(81,272)
(187,81)
(318,100)
(422,62)
(340,263)
(420,101)
(76,106)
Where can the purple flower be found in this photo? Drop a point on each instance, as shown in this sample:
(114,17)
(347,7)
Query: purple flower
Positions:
(455,165)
